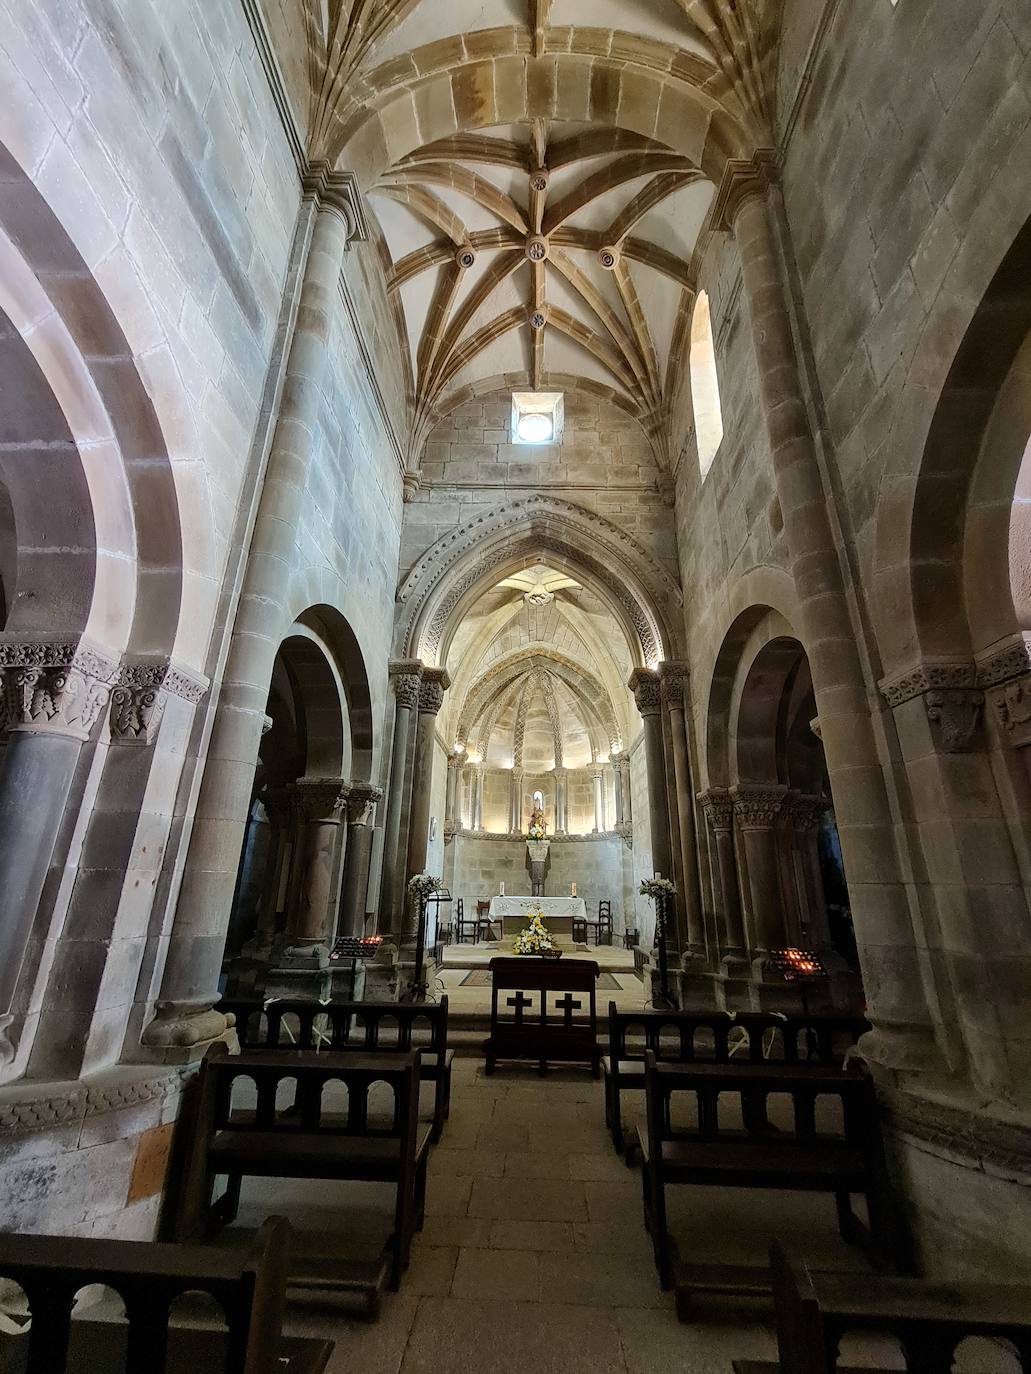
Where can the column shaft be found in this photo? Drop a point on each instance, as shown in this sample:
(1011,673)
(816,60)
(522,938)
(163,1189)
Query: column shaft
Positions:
(361,802)
(404,676)
(644,683)
(674,683)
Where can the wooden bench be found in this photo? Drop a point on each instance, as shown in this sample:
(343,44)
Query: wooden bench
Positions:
(308,1139)
(685,1038)
(249,1287)
(754,1155)
(534,1029)
(929,1319)
(367,1027)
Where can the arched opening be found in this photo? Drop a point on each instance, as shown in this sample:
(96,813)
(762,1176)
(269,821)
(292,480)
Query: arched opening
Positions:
(705,386)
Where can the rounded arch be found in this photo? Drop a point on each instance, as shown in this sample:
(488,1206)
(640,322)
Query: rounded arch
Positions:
(922,527)
(644,599)
(126,490)
(575,86)
(330,629)
(320,710)
(772,710)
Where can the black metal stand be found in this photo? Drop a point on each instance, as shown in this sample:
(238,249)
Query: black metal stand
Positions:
(418,987)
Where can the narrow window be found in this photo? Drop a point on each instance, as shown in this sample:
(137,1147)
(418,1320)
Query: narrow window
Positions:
(705,387)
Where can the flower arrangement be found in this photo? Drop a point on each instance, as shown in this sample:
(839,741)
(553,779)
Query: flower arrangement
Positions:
(657,887)
(537,829)
(535,939)
(422,885)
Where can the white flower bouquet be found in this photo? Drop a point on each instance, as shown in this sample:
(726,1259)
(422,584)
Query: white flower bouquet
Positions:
(657,887)
(535,939)
(422,885)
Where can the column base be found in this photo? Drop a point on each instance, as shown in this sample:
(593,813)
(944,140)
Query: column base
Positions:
(381,975)
(699,990)
(181,1032)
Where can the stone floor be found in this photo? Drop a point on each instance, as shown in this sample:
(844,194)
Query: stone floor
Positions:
(534,1256)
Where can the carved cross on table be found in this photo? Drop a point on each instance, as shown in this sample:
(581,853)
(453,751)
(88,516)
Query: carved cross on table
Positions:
(520,1003)
(568,1005)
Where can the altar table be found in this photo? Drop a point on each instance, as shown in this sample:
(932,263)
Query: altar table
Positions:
(559,913)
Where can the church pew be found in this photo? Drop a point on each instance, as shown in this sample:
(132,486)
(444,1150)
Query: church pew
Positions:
(815,1310)
(308,1139)
(533,1030)
(722,1037)
(752,1155)
(249,1287)
(369,1027)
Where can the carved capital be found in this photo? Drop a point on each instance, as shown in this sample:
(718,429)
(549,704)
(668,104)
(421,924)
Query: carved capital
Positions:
(743,179)
(57,687)
(410,484)
(1012,703)
(319,799)
(675,679)
(435,682)
(405,675)
(361,802)
(807,812)
(718,805)
(626,834)
(647,690)
(279,806)
(757,808)
(337,191)
(955,714)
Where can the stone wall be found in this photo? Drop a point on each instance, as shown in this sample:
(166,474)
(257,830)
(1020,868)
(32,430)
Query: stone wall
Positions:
(599,867)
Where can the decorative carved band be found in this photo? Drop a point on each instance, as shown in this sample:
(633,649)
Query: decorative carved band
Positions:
(807,812)
(927,676)
(951,697)
(51,1108)
(647,690)
(139,695)
(339,191)
(743,178)
(1002,662)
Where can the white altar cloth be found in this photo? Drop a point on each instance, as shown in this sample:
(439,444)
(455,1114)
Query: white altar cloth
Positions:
(559,914)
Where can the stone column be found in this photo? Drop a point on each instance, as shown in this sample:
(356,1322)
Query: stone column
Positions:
(277,804)
(53,696)
(617,775)
(435,683)
(561,777)
(719,812)
(405,675)
(515,802)
(185,1018)
(903,1034)
(360,809)
(476,797)
(597,778)
(807,812)
(644,683)
(674,679)
(452,802)
(757,809)
(319,802)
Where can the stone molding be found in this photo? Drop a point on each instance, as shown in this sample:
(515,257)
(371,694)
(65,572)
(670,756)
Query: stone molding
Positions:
(338,191)
(435,682)
(968,1136)
(55,686)
(742,179)
(591,837)
(22,1114)
(139,695)
(405,675)
(929,675)
(360,802)
(758,807)
(718,805)
(1002,662)
(647,690)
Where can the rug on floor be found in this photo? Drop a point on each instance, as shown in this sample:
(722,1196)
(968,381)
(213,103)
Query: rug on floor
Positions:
(480,978)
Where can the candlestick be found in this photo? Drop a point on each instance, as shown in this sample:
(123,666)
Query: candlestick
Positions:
(572,889)
(502,890)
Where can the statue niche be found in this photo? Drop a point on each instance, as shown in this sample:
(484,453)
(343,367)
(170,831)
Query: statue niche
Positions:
(537,846)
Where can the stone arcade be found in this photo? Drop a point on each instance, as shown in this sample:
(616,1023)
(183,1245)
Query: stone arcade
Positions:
(412,411)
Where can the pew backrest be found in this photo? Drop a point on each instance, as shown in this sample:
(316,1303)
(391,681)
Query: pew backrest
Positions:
(684,1037)
(249,1287)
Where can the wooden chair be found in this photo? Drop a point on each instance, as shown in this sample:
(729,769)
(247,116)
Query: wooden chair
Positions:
(306,1139)
(603,925)
(367,1027)
(534,1030)
(464,929)
(747,1037)
(630,937)
(803,1158)
(249,1287)
(814,1311)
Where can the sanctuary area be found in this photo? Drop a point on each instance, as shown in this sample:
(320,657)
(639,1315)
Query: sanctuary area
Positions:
(515,686)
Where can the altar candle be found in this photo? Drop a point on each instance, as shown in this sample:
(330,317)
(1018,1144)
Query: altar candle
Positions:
(502,891)
(572,889)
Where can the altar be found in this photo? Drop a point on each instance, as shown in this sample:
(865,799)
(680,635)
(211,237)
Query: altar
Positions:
(559,913)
